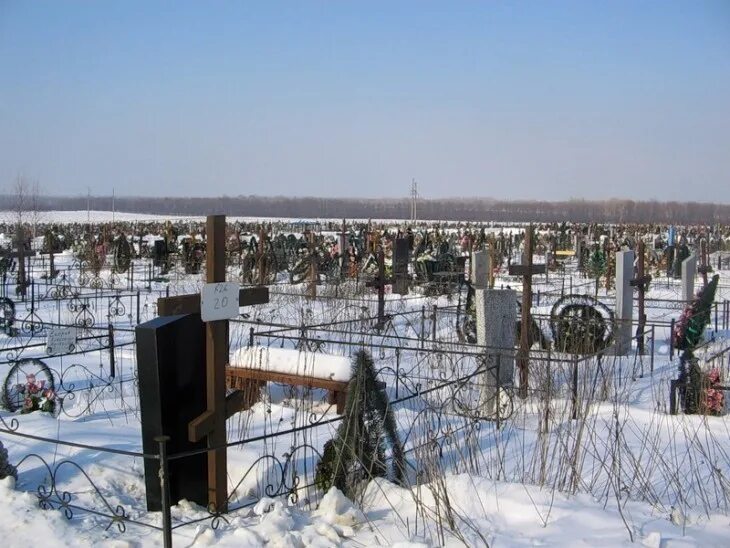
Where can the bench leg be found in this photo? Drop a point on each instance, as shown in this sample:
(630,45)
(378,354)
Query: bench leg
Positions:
(338,399)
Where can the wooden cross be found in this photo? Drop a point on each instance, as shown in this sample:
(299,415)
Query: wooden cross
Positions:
(21,253)
(212,423)
(704,267)
(526,271)
(641,282)
(380,282)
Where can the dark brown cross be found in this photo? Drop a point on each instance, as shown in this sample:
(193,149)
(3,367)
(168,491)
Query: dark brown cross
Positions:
(704,267)
(526,271)
(380,282)
(212,423)
(21,253)
(641,283)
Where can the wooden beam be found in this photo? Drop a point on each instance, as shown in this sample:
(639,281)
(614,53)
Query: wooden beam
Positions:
(523,353)
(190,304)
(216,356)
(307,381)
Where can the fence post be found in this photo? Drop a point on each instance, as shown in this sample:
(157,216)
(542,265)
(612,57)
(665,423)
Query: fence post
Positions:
(423,324)
(250,337)
(499,390)
(575,387)
(651,359)
(112,364)
(138,307)
(671,339)
(165,490)
(397,371)
(433,324)
(715,305)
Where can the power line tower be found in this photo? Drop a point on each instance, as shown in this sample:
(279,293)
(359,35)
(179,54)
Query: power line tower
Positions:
(414,200)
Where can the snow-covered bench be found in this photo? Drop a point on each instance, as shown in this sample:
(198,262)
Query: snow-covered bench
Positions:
(251,368)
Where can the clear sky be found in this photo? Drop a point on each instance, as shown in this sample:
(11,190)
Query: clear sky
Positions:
(540,99)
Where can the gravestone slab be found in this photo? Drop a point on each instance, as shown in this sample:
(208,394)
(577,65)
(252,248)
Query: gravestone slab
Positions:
(170,358)
(401,258)
(496,328)
(480,269)
(689,271)
(624,300)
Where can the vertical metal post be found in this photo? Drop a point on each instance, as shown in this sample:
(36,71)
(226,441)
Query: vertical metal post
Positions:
(112,364)
(165,490)
(499,390)
(575,388)
(397,371)
(651,359)
(671,339)
(250,337)
(138,307)
(433,323)
(423,324)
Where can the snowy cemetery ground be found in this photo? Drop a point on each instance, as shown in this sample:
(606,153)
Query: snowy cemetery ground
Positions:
(609,466)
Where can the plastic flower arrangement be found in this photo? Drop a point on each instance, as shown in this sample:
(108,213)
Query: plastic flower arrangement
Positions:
(36,397)
(713,399)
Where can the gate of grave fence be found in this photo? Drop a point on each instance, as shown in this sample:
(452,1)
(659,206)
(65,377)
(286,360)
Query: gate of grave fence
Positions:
(79,375)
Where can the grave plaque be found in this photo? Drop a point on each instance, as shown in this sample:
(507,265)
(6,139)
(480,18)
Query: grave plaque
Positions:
(170,351)
(60,340)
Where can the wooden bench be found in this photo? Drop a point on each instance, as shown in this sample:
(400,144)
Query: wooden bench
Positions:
(249,382)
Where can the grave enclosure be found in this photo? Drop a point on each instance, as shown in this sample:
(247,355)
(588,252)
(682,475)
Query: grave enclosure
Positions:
(473,329)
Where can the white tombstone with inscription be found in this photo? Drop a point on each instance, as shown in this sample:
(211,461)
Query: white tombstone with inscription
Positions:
(496,311)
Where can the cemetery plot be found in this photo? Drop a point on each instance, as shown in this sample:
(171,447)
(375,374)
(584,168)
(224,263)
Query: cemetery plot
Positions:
(398,359)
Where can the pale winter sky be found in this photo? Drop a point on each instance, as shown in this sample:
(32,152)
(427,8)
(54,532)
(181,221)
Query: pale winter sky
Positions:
(535,100)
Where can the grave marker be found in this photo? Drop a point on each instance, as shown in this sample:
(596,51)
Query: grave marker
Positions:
(496,325)
(624,301)
(689,271)
(211,424)
(526,271)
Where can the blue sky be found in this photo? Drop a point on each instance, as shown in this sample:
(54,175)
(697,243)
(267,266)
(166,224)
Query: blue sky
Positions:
(526,100)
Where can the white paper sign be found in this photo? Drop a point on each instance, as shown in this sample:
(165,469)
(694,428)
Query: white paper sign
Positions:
(219,301)
(61,340)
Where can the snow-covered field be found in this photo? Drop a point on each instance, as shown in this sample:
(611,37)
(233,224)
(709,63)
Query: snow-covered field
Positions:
(624,472)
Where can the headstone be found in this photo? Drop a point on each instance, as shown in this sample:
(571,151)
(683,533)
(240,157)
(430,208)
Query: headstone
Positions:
(624,300)
(480,269)
(496,328)
(401,258)
(579,250)
(689,271)
(172,381)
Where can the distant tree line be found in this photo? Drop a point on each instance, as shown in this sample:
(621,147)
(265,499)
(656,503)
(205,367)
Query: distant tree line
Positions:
(456,209)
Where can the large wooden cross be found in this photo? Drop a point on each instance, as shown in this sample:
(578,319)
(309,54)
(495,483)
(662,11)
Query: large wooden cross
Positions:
(21,254)
(212,423)
(526,271)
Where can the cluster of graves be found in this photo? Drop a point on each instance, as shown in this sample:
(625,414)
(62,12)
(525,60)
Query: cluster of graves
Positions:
(177,291)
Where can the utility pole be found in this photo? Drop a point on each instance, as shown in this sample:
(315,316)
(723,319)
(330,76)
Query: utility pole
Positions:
(414,200)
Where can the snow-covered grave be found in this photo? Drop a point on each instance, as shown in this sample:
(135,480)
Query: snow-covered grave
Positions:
(590,456)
